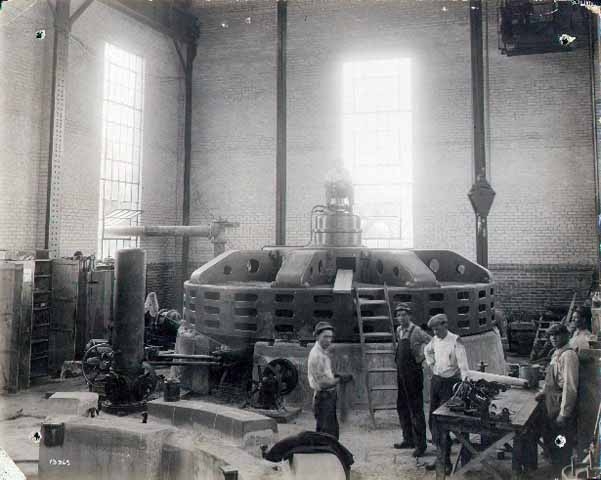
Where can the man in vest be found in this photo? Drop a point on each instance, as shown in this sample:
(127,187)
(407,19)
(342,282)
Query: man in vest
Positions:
(410,378)
(558,422)
(446,356)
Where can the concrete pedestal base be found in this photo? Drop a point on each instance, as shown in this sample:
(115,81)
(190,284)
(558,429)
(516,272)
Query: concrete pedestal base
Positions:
(347,358)
(8,469)
(73,403)
(102,449)
(196,415)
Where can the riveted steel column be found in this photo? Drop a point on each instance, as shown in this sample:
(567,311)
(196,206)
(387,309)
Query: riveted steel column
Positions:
(57,126)
(280,169)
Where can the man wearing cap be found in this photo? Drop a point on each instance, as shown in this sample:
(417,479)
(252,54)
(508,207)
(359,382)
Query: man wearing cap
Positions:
(323,381)
(446,356)
(410,377)
(559,394)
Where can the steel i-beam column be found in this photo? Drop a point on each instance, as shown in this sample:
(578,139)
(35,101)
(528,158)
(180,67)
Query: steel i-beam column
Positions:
(280,169)
(57,126)
(188,70)
(481,194)
(594,43)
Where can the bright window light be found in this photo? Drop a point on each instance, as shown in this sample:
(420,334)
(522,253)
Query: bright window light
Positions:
(377,148)
(120,176)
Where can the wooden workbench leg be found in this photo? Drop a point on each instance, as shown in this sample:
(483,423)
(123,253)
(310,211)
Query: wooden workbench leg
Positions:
(470,448)
(441,454)
(517,457)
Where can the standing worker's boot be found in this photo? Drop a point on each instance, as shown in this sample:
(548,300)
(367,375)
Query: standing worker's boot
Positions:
(404,444)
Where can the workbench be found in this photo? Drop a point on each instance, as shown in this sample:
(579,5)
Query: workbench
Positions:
(523,409)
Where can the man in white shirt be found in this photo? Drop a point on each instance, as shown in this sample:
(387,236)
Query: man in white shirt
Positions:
(323,381)
(446,356)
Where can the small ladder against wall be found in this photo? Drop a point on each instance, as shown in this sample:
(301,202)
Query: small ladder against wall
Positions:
(378,347)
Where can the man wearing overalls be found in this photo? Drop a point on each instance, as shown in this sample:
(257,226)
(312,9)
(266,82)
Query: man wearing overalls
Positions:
(410,400)
(558,422)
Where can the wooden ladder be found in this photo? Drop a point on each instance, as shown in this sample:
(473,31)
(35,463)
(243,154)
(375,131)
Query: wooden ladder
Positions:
(376,326)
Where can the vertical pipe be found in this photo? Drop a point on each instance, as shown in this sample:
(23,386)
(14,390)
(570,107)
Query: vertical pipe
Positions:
(280,170)
(478,121)
(188,70)
(477,87)
(128,327)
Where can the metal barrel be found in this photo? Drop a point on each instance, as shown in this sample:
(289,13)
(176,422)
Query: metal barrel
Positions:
(128,329)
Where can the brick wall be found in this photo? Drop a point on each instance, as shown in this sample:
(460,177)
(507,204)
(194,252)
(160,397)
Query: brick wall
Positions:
(25,82)
(233,129)
(26,140)
(540,142)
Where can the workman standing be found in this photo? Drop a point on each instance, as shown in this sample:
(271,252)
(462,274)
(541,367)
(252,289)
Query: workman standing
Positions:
(558,422)
(323,381)
(446,356)
(582,336)
(409,356)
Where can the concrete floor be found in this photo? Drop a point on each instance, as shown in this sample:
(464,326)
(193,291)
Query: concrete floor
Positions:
(375,458)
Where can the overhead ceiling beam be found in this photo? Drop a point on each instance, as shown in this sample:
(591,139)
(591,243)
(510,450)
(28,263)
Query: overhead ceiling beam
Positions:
(82,8)
(160,16)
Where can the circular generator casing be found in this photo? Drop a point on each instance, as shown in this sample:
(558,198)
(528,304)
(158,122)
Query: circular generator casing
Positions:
(241,297)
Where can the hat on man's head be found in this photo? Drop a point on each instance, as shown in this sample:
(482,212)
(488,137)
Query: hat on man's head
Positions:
(558,329)
(322,326)
(402,307)
(438,319)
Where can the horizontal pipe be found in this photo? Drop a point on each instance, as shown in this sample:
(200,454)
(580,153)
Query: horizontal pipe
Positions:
(162,231)
(181,364)
(184,356)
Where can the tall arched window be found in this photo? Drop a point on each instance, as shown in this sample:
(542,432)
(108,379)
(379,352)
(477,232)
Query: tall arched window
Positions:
(377,148)
(120,176)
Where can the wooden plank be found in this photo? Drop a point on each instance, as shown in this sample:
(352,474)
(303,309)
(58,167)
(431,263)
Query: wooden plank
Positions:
(11,277)
(343,282)
(26,320)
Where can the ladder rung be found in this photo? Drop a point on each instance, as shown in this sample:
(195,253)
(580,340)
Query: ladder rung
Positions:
(377,388)
(372,302)
(377,335)
(379,352)
(384,407)
(382,370)
(374,318)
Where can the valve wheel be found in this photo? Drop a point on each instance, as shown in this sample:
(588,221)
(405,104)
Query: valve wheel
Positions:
(286,373)
(97,360)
